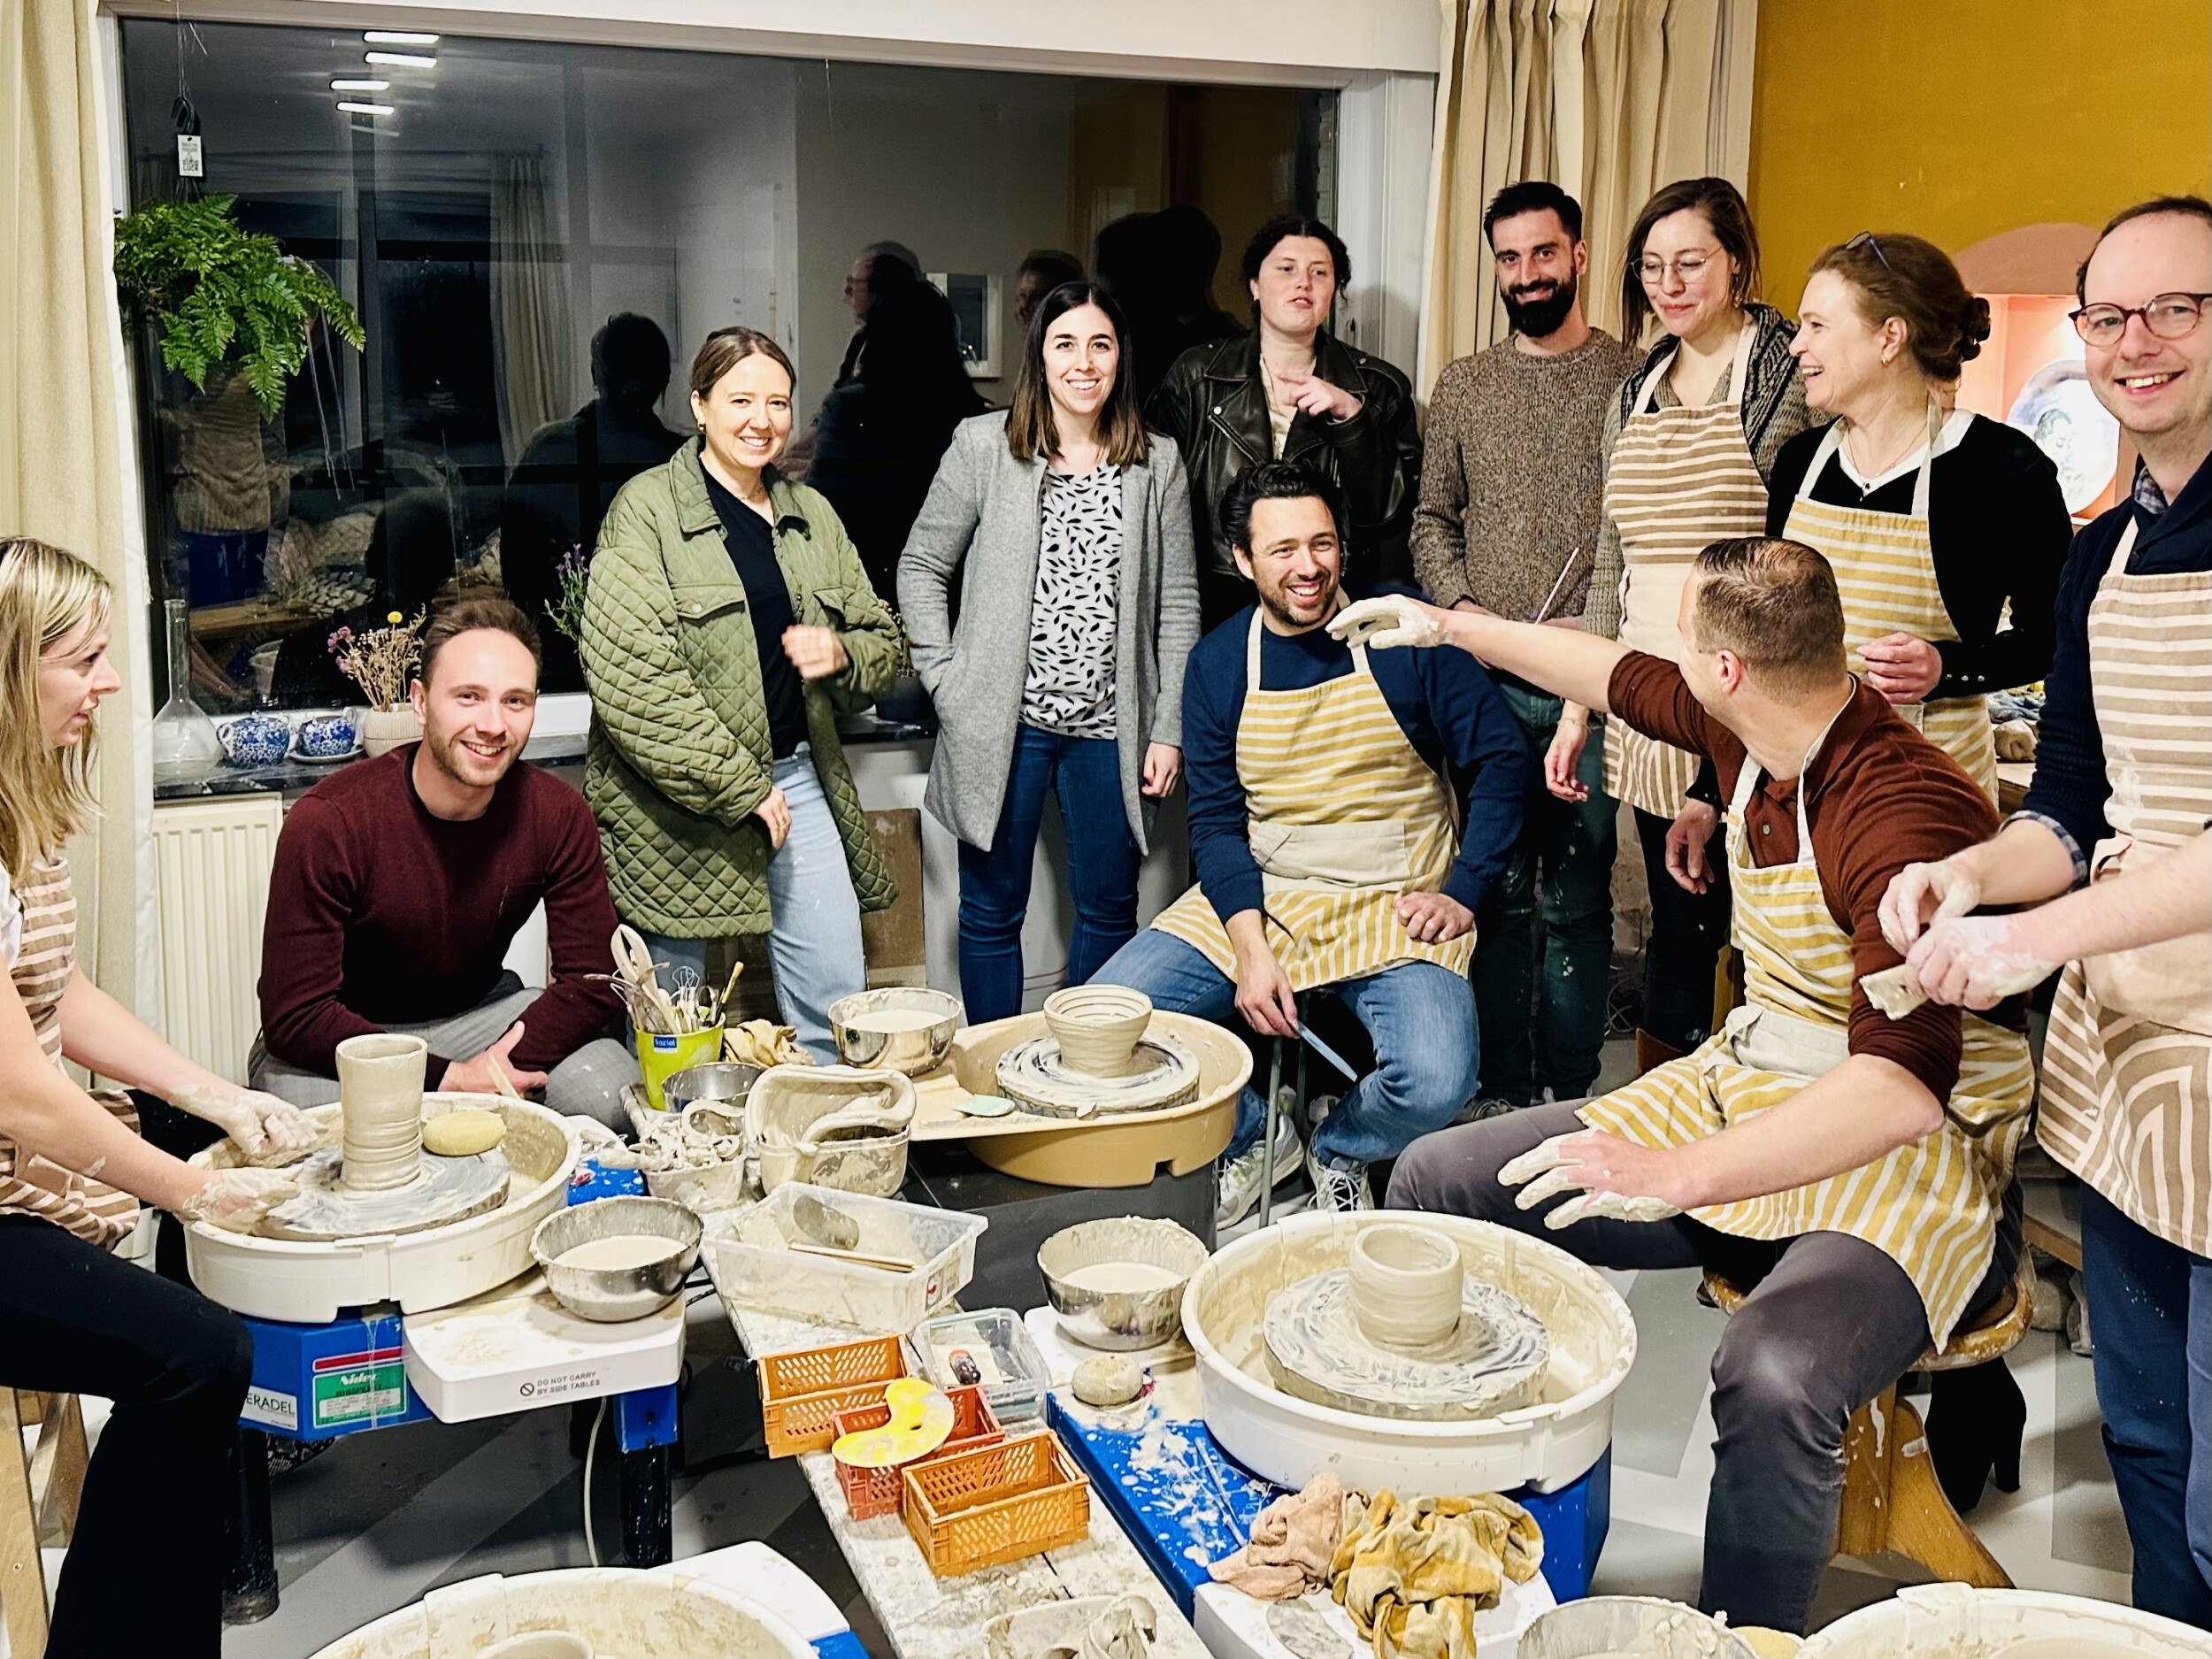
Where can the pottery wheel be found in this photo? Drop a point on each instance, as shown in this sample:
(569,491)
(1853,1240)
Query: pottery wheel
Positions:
(1494,1361)
(445,1190)
(1033,1075)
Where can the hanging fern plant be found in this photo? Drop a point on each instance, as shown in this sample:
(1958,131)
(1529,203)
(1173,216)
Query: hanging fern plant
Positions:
(226,300)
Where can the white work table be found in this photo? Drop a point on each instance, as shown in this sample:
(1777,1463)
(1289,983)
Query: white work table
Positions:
(929,1618)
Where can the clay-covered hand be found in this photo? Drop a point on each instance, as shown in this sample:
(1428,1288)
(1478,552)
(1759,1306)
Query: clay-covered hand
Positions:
(1611,1177)
(1919,894)
(266,1129)
(1387,620)
(236,1200)
(1977,961)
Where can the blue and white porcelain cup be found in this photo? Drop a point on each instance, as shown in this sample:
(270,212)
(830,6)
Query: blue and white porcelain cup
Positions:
(255,740)
(326,736)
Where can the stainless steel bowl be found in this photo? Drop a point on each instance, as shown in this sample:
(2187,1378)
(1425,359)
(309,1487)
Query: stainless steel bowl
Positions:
(1119,1318)
(913,1052)
(718,1082)
(612,1295)
(1638,1625)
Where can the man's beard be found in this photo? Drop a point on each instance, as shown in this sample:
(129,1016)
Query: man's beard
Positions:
(1537,317)
(465,768)
(1279,607)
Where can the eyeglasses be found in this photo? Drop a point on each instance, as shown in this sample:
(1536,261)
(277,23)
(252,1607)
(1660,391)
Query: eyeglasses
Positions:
(2168,316)
(1685,266)
(1865,239)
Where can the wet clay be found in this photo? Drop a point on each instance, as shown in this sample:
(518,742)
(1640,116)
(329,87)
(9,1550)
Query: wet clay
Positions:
(380,1098)
(1109,1278)
(890,1019)
(622,1250)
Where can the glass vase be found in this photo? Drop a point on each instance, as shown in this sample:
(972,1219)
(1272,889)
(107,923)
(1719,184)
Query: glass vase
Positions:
(185,745)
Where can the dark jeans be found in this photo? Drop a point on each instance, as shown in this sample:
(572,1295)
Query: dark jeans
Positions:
(2150,1305)
(144,1571)
(1833,1322)
(1572,845)
(1086,774)
(1688,930)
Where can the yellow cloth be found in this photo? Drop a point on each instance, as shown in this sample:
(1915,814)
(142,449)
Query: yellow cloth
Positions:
(1412,1575)
(1293,1543)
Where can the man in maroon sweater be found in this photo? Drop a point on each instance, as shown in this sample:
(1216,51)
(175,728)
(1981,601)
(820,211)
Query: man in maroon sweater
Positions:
(401,882)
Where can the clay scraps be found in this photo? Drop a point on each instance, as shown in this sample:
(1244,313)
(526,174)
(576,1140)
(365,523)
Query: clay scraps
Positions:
(1083,1627)
(1412,1575)
(1293,1541)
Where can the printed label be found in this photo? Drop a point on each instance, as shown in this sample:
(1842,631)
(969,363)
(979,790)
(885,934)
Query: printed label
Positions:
(266,1405)
(359,1387)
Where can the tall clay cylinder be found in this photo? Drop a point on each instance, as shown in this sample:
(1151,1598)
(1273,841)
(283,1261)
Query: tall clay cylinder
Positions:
(380,1098)
(1406,1285)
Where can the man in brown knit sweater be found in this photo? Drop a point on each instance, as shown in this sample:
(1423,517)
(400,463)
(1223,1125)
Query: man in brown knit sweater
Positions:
(1507,524)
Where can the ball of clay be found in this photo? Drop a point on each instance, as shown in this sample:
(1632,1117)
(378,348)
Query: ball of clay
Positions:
(462,1133)
(1109,1379)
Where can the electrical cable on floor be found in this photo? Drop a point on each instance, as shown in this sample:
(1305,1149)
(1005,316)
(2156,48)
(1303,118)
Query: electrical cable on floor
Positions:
(591,1450)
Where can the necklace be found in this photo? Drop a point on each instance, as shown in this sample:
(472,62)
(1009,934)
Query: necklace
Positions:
(1915,441)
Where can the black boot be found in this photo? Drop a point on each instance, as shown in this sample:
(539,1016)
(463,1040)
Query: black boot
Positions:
(1975,1419)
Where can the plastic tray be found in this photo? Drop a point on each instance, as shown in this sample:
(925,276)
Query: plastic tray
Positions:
(802,1392)
(996,1504)
(872,1492)
(1012,1373)
(748,1255)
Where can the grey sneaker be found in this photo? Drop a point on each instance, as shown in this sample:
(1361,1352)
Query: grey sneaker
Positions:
(1489,1106)
(1341,1187)
(1240,1190)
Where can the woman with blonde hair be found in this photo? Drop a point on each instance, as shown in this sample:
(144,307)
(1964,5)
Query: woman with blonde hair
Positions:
(74,1168)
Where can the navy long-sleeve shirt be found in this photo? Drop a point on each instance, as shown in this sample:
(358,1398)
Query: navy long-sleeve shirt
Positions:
(2070,787)
(1444,702)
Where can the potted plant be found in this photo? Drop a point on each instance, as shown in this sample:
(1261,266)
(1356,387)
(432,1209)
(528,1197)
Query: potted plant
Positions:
(382,661)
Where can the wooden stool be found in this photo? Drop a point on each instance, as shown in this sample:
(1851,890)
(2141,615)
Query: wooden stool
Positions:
(1892,1500)
(39,1494)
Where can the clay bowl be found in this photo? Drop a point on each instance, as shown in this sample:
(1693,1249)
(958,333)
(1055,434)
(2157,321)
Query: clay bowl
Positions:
(1630,1625)
(1097,1028)
(612,1295)
(1408,1282)
(1121,1319)
(913,1051)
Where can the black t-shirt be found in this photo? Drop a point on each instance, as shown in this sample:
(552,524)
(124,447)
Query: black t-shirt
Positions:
(752,547)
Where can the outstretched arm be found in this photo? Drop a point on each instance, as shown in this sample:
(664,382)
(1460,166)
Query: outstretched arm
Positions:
(1565,662)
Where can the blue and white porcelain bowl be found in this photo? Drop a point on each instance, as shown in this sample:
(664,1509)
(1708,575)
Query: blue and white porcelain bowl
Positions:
(255,740)
(325,737)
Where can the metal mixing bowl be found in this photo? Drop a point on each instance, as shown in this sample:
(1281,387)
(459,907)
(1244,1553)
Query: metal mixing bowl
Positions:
(612,1295)
(1119,1318)
(718,1082)
(912,1052)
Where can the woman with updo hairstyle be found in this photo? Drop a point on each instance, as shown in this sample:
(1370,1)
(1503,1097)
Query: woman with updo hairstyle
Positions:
(1939,522)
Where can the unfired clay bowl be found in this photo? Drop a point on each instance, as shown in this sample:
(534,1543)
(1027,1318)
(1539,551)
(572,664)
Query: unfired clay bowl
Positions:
(1406,1286)
(1097,1028)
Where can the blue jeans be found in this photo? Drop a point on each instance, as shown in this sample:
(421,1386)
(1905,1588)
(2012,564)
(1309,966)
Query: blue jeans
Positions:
(814,927)
(1573,843)
(2150,1307)
(1086,774)
(1421,1017)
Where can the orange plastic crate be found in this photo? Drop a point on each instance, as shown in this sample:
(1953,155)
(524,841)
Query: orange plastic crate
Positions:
(801,1391)
(994,1504)
(872,1492)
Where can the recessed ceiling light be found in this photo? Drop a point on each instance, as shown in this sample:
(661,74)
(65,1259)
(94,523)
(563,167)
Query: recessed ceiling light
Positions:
(405,60)
(397,37)
(360,86)
(360,108)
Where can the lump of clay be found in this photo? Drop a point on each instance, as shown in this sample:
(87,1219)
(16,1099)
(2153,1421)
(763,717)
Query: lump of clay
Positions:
(921,1420)
(1109,1379)
(463,1132)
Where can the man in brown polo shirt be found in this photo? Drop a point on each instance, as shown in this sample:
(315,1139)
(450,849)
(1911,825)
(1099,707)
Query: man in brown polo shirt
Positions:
(1851,1167)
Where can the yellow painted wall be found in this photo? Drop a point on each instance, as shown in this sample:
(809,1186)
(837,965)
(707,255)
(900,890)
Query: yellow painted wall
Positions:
(1958,120)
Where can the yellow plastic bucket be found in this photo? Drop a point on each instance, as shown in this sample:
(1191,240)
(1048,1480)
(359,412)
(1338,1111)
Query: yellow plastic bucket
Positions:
(661,1055)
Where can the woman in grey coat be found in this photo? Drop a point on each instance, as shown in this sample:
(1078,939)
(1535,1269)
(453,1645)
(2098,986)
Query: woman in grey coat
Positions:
(1050,592)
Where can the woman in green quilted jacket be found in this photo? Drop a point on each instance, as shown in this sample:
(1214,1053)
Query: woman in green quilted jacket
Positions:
(727,624)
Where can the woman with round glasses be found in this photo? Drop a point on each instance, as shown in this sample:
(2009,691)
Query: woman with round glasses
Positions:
(1689,446)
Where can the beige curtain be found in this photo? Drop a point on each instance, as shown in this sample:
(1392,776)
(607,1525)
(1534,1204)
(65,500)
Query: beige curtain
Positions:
(68,468)
(532,337)
(1610,98)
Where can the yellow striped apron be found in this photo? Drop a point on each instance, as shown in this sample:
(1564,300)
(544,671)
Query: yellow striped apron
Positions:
(31,1184)
(2127,1068)
(1678,478)
(1931,1207)
(1885,569)
(1344,818)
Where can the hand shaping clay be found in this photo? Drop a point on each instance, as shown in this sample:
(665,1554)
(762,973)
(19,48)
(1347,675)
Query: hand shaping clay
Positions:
(1108,1379)
(462,1133)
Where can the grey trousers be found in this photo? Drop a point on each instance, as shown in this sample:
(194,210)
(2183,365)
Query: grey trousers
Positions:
(1833,1322)
(588,1084)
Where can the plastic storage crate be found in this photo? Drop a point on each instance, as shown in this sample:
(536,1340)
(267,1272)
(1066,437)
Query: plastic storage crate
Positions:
(801,1391)
(995,1504)
(872,1492)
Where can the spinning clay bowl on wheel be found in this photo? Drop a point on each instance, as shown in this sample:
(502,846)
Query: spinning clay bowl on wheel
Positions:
(1098,1059)
(1097,1028)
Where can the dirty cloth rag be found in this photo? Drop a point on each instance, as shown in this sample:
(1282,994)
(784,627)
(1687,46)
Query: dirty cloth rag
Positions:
(1293,1541)
(1412,1574)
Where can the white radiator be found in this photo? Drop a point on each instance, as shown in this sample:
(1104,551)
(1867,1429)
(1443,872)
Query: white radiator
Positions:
(212,860)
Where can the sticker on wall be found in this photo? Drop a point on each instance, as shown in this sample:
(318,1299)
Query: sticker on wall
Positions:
(2057,409)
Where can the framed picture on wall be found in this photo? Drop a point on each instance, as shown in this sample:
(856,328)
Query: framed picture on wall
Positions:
(976,304)
(2057,409)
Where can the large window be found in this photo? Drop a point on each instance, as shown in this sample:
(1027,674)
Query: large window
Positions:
(537,237)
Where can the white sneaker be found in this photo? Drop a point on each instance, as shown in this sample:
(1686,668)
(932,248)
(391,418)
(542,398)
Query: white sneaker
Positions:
(1339,1187)
(1240,1176)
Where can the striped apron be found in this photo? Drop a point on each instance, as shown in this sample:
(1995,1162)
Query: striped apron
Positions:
(31,1184)
(1885,569)
(1678,478)
(1344,819)
(1931,1207)
(2127,1068)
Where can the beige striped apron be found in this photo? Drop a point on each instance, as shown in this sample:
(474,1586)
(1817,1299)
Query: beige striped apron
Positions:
(1931,1207)
(1344,818)
(31,1184)
(1679,478)
(1885,569)
(2127,1068)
